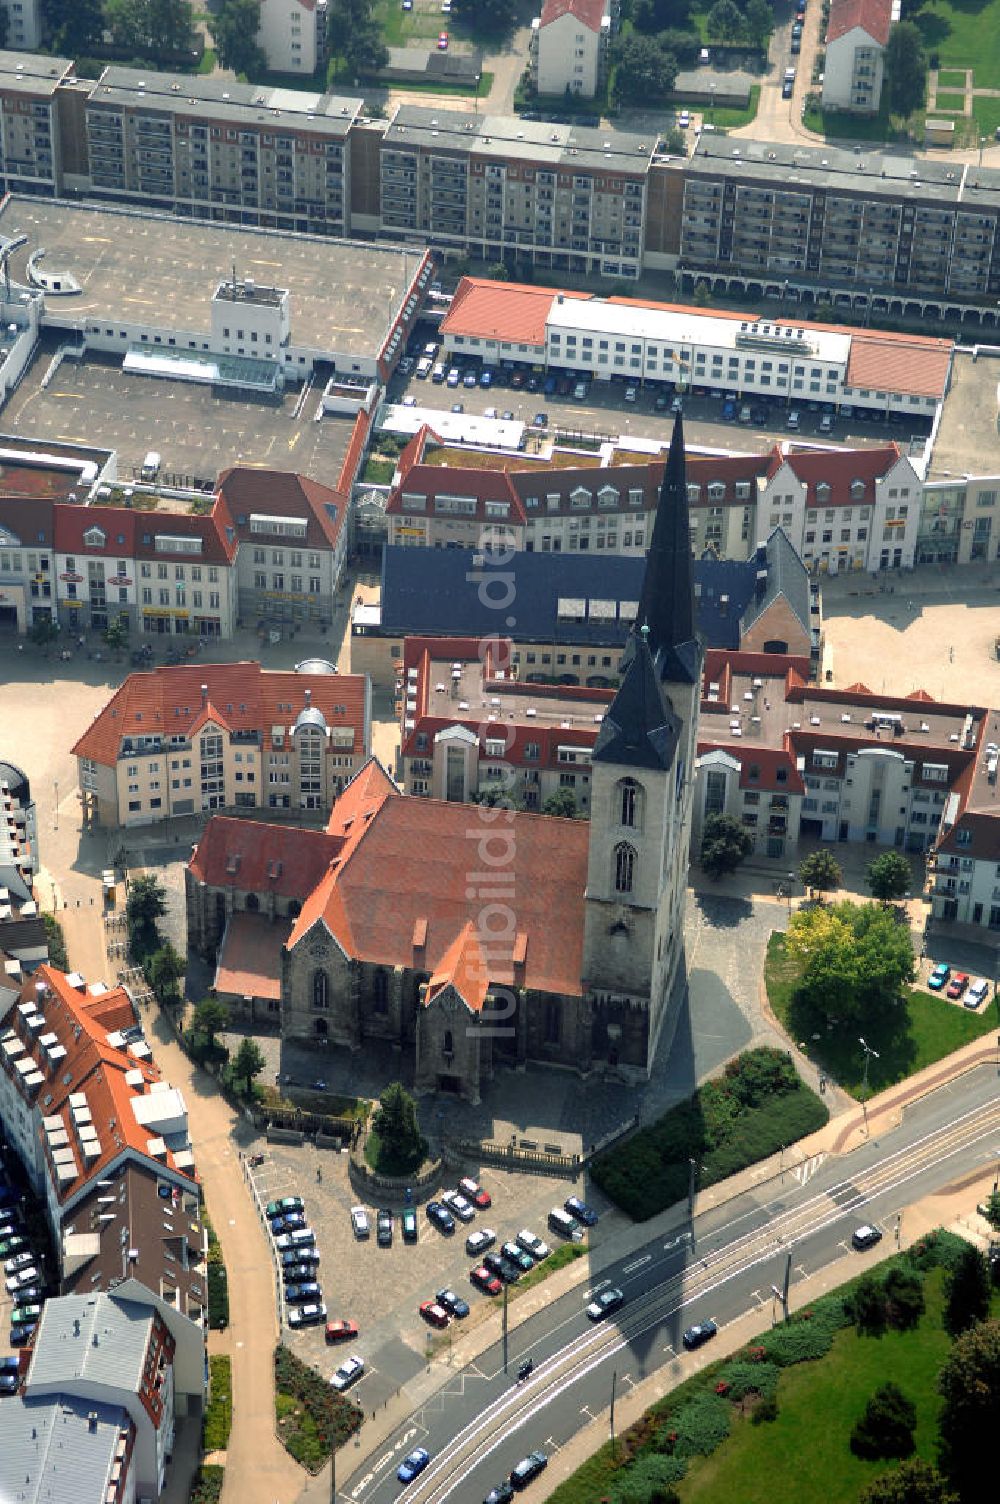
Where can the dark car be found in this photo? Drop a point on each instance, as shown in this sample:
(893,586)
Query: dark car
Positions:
(9,1382)
(604,1303)
(440,1216)
(413,1464)
(502,1494)
(534,384)
(540,420)
(23,1333)
(453,1304)
(503,1268)
(294,1274)
(759,412)
(866,1237)
(408,1222)
(583,1213)
(292,1256)
(565,386)
(787,87)
(696,1335)
(299,1294)
(528,1468)
(517,1255)
(383,1227)
(288,1223)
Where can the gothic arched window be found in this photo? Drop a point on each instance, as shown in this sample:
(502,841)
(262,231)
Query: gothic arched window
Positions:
(630,798)
(624,867)
(321,996)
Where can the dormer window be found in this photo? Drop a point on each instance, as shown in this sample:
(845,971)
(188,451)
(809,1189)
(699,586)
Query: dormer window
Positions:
(857,490)
(94,537)
(753,773)
(716,490)
(694,493)
(823,490)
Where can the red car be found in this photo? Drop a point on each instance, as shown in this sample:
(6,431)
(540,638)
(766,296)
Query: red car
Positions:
(434,1314)
(485,1281)
(958,984)
(442,41)
(474,1192)
(340,1331)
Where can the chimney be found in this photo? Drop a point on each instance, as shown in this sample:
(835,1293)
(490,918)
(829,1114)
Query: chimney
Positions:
(760,584)
(204,696)
(92,1421)
(309,695)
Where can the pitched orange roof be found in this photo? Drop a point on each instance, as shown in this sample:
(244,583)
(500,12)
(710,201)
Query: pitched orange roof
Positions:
(508,311)
(463,967)
(254,857)
(282,493)
(873,16)
(906,363)
(589,12)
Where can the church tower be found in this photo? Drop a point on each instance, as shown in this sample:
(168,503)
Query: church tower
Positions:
(641,794)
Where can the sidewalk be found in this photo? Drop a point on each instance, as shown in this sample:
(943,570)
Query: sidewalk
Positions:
(934,1211)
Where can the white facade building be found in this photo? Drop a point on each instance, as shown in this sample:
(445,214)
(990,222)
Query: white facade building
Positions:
(856,36)
(568,47)
(292,34)
(24,24)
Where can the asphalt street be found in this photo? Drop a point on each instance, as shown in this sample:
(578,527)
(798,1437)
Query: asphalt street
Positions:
(721,1265)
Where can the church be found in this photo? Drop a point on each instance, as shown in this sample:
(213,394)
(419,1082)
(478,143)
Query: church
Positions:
(473,938)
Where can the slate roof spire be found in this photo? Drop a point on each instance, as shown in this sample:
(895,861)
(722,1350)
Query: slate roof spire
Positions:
(667,602)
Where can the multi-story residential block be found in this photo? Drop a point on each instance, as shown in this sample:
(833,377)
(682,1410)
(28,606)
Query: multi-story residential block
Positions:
(569,46)
(78,1449)
(890,235)
(856,36)
(30,140)
(503,188)
(23,939)
(292,35)
(221,150)
(217,736)
(293,536)
(965,883)
(24,24)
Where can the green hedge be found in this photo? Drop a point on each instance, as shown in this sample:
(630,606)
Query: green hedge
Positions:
(313,1419)
(218,1281)
(207,1486)
(757,1106)
(218,1419)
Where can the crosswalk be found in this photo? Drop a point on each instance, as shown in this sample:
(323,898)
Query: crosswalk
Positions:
(807,1169)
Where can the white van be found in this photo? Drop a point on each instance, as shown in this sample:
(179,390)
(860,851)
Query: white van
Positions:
(424,365)
(151,466)
(566,1226)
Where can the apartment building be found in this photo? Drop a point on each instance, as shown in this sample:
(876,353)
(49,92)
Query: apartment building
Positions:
(892,234)
(30,145)
(216,149)
(197,737)
(23,937)
(73,1449)
(292,35)
(856,35)
(965,869)
(569,46)
(293,539)
(24,24)
(504,188)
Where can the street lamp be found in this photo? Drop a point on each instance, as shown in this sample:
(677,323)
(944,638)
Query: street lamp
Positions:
(869,1052)
(791,880)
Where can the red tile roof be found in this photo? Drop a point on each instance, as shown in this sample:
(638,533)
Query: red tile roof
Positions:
(507,311)
(432,481)
(907,363)
(873,16)
(281,493)
(839,469)
(409,860)
(241,696)
(255,857)
(463,967)
(130,533)
(249,962)
(589,12)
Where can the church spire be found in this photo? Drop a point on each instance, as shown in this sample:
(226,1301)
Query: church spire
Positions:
(667,602)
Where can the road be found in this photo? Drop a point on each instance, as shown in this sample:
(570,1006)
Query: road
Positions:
(721,1265)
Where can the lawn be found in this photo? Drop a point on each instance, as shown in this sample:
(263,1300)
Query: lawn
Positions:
(950,102)
(566,1253)
(485,85)
(840,125)
(726,119)
(751,1464)
(965,34)
(218,1418)
(927,1029)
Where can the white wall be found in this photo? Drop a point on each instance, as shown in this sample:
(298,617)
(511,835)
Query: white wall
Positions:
(568,53)
(288,35)
(24,28)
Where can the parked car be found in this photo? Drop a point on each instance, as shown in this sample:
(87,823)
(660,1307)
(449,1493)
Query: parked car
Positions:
(288,1223)
(9,1381)
(866,1237)
(301,1294)
(458,407)
(23,1333)
(580,391)
(452,1303)
(301,1237)
(486,377)
(696,1335)
(564,1224)
(21,1314)
(484,1279)
(977,992)
(340,1331)
(299,1256)
(528,1468)
(284,1206)
(728,412)
(413,1464)
(454,376)
(433,1314)
(383,1227)
(26,1285)
(409,400)
(662,402)
(583,1213)
(792,420)
(958,984)
(441,1217)
(478,1242)
(496,1263)
(18,1262)
(549,385)
(532,1244)
(631,394)
(746,413)
(517,1256)
(307,1315)
(297,1274)
(826,423)
(469,379)
(348,1373)
(759,412)
(12,1244)
(502,1494)
(408,1223)
(677,406)
(540,420)
(360,1225)
(938,977)
(455,1202)
(474,1192)
(606,1302)
(684,119)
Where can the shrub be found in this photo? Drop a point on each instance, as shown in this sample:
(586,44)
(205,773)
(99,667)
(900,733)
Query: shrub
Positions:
(701,1425)
(886,1428)
(766,1411)
(746,1378)
(636,1483)
(313,1419)
(207,1485)
(56,942)
(799,1341)
(868,1305)
(904,1294)
(218,1281)
(218,1419)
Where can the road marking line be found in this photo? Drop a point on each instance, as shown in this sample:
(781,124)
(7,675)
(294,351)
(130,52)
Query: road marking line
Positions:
(637,1264)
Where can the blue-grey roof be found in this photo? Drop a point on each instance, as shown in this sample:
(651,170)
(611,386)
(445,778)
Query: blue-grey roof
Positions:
(57,1449)
(315,666)
(441,592)
(98,1337)
(310,716)
(640,729)
(787,576)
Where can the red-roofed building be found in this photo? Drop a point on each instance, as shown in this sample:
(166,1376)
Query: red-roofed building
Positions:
(856,36)
(966,861)
(569,43)
(207,736)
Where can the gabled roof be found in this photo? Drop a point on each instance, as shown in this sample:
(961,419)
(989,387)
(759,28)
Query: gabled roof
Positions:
(640,729)
(839,469)
(253,857)
(505,311)
(130,533)
(463,968)
(872,16)
(589,13)
(282,493)
(432,481)
(912,364)
(785,577)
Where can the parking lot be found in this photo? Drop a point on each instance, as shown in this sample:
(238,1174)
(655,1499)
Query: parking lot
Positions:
(380,1289)
(22,1238)
(605,411)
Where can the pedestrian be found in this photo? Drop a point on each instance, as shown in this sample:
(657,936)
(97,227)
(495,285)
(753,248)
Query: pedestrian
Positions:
(319,1175)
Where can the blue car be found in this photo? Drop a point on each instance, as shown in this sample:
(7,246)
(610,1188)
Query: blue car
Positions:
(414,1464)
(486,377)
(728,412)
(938,977)
(287,1223)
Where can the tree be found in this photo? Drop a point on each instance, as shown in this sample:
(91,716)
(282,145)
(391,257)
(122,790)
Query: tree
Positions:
(913,1482)
(724,21)
(496,796)
(886,1428)
(702,294)
(652,16)
(56,942)
(562,802)
(758,20)
(147,900)
(967,1293)
(644,68)
(355,35)
(116,633)
(725,843)
(969,1384)
(149,25)
(44,631)
(993,1210)
(486,15)
(234,28)
(164,970)
(854,960)
(498,271)
(210,1016)
(905,64)
(904,1297)
(889,876)
(821,872)
(249,1063)
(73,26)
(395,1123)
(868,1305)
